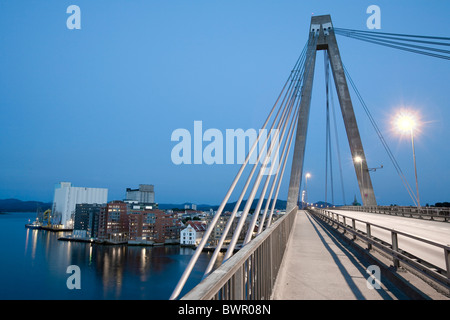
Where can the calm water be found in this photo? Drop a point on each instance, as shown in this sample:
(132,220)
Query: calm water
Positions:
(33,265)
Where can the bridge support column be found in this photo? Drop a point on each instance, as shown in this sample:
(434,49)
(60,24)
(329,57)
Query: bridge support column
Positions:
(302,127)
(321,30)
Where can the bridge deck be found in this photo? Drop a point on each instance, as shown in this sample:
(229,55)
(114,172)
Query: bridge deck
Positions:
(317,266)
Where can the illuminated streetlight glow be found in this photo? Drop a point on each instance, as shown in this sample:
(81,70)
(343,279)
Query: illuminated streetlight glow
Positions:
(359,160)
(307,175)
(406,122)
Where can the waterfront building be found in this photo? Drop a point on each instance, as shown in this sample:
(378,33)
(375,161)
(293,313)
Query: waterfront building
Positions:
(141,224)
(220,225)
(86,220)
(167,227)
(113,222)
(145,194)
(121,221)
(193,233)
(66,197)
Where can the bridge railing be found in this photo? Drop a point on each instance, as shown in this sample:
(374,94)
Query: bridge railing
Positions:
(432,213)
(249,274)
(348,224)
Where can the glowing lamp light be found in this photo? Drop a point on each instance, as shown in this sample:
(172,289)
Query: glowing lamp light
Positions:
(406,123)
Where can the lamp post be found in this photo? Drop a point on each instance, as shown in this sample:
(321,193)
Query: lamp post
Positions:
(307,175)
(406,123)
(359,160)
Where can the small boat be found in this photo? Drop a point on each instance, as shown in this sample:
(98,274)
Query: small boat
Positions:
(34,225)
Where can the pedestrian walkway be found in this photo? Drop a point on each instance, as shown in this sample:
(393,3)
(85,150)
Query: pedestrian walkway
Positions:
(316,266)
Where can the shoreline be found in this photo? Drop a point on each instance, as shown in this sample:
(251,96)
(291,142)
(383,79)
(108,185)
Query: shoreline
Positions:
(38,227)
(132,243)
(135,243)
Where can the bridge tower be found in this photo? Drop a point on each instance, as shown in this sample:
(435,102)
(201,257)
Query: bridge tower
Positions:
(323,38)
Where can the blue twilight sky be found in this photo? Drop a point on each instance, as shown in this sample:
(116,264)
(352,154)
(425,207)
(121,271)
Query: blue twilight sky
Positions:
(97,106)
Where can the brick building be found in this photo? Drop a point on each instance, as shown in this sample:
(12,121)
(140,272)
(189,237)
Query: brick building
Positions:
(167,227)
(141,225)
(113,222)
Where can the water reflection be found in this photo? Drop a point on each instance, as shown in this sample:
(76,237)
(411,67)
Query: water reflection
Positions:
(111,271)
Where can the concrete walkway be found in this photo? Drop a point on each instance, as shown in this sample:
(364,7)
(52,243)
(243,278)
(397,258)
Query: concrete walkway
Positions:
(317,266)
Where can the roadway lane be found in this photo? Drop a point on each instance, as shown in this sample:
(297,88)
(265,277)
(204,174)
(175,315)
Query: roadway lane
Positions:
(432,230)
(316,266)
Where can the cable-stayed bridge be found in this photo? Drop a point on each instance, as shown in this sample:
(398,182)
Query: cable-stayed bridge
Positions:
(301,254)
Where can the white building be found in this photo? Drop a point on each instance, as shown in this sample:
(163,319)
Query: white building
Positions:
(145,194)
(190,206)
(67,197)
(192,234)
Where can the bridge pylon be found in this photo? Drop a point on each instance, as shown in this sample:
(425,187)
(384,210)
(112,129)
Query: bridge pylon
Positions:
(322,37)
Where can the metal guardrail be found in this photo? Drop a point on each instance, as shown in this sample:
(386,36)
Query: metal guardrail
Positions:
(249,274)
(433,213)
(439,275)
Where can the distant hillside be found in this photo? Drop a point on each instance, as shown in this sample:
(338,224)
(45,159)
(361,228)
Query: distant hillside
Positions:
(281,204)
(15,205)
(323,204)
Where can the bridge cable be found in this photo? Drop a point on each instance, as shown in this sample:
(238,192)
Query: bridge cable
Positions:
(284,158)
(337,141)
(256,185)
(219,211)
(293,80)
(264,190)
(381,39)
(236,234)
(248,204)
(373,35)
(307,70)
(328,152)
(284,155)
(230,220)
(393,34)
(383,141)
(257,210)
(398,45)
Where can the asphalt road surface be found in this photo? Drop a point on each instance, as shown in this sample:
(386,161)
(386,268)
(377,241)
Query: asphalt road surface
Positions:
(431,230)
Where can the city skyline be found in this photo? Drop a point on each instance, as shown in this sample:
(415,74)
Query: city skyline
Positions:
(97,106)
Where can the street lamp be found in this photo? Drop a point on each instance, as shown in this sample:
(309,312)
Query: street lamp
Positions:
(307,175)
(359,160)
(407,123)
